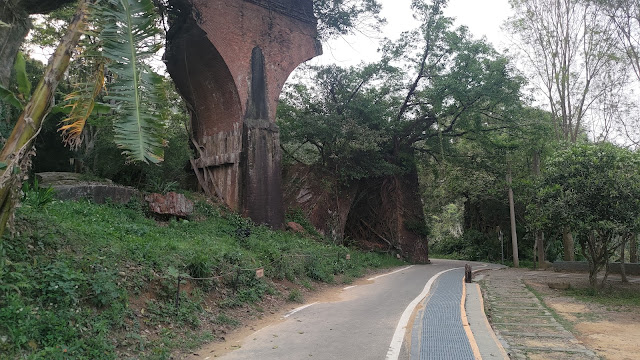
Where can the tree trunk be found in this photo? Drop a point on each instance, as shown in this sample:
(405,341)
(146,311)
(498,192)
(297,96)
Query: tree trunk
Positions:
(633,248)
(11,38)
(592,258)
(568,244)
(18,146)
(16,14)
(539,236)
(512,212)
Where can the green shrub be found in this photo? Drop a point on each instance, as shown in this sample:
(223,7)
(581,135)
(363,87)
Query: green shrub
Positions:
(297,215)
(105,289)
(36,196)
(295,296)
(61,285)
(199,266)
(318,269)
(472,245)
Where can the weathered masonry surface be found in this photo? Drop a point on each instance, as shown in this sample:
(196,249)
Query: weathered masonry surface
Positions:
(229,60)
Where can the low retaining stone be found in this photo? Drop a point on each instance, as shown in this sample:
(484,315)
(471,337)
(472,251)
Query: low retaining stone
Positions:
(70,186)
(583,266)
(98,193)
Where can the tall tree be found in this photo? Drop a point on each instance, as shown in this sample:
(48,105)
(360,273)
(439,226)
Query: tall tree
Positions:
(474,169)
(625,15)
(435,81)
(342,17)
(512,217)
(572,51)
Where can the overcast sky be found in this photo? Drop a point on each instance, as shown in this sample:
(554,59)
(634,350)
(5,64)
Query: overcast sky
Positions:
(482,17)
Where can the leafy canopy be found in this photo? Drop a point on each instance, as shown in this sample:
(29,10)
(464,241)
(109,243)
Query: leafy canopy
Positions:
(434,84)
(342,17)
(592,187)
(594,190)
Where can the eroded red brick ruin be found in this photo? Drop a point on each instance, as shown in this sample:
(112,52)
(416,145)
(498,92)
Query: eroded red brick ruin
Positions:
(229,60)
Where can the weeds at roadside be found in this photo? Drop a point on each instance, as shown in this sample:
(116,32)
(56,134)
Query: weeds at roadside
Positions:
(295,296)
(307,284)
(78,278)
(223,319)
(347,279)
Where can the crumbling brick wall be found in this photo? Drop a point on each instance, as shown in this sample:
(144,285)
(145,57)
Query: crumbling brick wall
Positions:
(229,60)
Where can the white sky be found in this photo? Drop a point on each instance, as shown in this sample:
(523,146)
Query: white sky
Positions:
(482,17)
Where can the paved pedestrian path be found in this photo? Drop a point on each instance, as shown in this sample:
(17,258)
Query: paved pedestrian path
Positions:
(451,324)
(527,329)
(439,332)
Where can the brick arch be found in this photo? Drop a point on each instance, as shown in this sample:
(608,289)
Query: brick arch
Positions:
(229,60)
(204,80)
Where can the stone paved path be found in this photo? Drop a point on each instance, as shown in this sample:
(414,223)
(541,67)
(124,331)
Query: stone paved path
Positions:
(526,327)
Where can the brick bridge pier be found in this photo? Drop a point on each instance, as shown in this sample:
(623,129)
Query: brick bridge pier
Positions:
(229,60)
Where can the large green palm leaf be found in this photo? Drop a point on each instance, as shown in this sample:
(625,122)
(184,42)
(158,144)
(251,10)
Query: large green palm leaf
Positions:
(128,35)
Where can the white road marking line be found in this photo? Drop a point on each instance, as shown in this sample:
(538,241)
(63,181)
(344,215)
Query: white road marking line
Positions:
(398,336)
(349,287)
(298,309)
(393,272)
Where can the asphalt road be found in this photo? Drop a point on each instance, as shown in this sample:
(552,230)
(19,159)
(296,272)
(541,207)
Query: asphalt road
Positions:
(358,324)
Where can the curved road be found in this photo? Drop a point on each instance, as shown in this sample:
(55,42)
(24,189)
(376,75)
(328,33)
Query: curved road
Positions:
(361,324)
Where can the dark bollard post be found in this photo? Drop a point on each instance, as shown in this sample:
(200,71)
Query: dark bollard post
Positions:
(467,273)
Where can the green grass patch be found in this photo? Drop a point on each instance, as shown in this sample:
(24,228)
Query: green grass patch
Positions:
(609,297)
(86,281)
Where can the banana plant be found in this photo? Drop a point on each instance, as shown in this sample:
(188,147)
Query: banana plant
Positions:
(24,85)
(81,104)
(17,149)
(125,36)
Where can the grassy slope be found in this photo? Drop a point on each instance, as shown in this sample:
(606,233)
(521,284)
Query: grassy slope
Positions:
(88,281)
